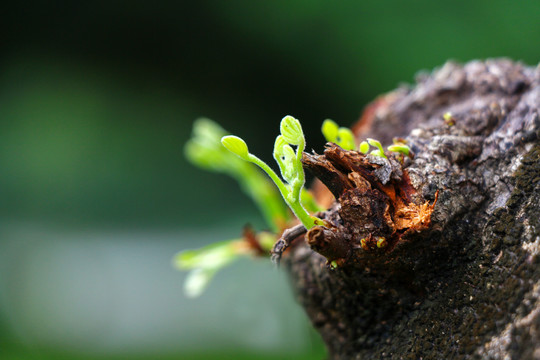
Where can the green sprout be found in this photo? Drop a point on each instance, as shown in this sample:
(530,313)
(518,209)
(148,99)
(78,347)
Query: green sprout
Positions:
(204,149)
(364,147)
(345,139)
(377,144)
(449,119)
(402,149)
(290,165)
(398,147)
(204,263)
(211,149)
(341,136)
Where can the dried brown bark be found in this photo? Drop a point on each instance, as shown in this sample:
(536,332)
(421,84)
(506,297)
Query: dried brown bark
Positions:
(459,278)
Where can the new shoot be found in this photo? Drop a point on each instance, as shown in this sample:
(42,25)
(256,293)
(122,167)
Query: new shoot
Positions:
(204,263)
(204,149)
(341,136)
(290,165)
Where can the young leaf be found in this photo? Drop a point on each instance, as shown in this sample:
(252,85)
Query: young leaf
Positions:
(291,130)
(205,150)
(403,149)
(197,281)
(290,164)
(377,153)
(341,136)
(213,256)
(377,144)
(346,139)
(236,145)
(330,130)
(449,119)
(285,157)
(205,262)
(364,147)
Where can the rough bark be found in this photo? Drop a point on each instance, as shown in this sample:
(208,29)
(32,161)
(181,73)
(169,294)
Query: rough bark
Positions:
(465,282)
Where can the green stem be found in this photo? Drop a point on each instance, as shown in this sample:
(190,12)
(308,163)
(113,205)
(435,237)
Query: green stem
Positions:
(297,187)
(295,206)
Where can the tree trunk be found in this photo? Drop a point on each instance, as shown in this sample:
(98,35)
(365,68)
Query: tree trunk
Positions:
(439,257)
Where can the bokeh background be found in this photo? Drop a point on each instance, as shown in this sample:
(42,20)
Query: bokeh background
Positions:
(96,101)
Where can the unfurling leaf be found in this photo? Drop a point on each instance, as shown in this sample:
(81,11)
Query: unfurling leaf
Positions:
(291,130)
(197,281)
(330,130)
(236,145)
(364,147)
(341,136)
(403,149)
(285,157)
(205,262)
(377,144)
(346,139)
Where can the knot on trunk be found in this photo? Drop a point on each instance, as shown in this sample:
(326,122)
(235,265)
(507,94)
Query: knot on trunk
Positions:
(377,206)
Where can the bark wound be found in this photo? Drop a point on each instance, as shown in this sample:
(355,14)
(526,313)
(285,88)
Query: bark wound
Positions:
(377,207)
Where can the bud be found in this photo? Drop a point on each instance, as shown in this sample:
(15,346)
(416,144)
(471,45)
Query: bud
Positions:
(377,144)
(285,157)
(364,147)
(346,138)
(403,149)
(291,130)
(330,130)
(236,145)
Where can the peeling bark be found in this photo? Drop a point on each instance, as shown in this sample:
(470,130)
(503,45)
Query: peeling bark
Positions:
(437,257)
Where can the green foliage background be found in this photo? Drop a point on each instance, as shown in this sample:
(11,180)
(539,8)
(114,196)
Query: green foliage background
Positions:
(96,101)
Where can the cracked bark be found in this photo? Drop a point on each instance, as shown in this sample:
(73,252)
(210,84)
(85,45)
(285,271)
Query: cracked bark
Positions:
(466,282)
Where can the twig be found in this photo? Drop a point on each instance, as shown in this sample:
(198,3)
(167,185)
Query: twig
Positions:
(285,241)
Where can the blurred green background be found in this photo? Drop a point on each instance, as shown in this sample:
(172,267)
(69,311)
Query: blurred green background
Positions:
(96,101)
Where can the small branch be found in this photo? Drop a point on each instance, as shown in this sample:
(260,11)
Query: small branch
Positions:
(285,241)
(329,243)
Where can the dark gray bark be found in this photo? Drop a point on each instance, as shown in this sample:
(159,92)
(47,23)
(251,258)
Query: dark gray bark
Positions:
(465,284)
